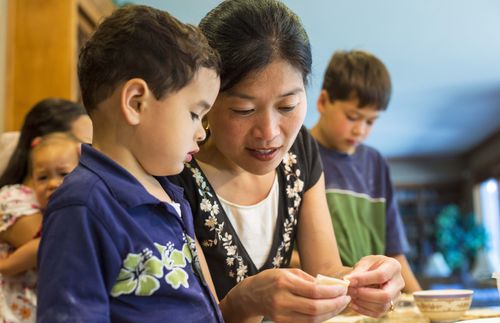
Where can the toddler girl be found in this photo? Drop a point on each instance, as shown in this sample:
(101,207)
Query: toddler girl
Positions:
(51,158)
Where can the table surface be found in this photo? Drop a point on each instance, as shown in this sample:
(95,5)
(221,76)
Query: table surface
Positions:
(412,315)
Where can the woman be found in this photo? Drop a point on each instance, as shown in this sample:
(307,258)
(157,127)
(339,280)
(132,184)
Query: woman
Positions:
(46,116)
(257,185)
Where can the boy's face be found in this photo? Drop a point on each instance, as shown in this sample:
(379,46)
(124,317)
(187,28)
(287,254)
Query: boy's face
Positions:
(171,128)
(49,166)
(343,125)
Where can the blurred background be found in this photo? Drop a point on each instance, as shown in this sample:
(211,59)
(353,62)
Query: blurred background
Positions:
(440,133)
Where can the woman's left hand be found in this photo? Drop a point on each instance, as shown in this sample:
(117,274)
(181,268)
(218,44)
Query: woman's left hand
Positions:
(376,284)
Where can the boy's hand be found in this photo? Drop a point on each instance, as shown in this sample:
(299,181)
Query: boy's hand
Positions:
(376,283)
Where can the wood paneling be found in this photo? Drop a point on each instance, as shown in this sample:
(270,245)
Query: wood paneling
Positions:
(42,50)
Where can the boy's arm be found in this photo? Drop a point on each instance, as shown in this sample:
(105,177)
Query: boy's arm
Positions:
(21,260)
(205,270)
(73,261)
(411,283)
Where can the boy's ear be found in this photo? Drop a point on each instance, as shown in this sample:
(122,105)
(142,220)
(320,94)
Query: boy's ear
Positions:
(133,98)
(322,101)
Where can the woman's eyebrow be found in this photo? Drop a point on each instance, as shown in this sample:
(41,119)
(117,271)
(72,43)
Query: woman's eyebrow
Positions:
(249,97)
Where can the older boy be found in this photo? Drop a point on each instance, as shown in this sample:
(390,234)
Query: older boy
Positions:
(356,88)
(118,240)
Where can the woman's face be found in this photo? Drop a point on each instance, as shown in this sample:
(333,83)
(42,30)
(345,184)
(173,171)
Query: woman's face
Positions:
(254,123)
(82,128)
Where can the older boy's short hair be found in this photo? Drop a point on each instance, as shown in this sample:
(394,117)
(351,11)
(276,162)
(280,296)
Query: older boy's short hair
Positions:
(358,74)
(142,42)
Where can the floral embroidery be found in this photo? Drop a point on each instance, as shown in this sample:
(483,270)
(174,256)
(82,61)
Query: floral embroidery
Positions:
(141,271)
(293,189)
(211,209)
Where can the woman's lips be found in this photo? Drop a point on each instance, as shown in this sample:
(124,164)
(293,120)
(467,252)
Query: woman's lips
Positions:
(264,154)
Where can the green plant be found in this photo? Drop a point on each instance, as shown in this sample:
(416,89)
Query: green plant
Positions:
(458,236)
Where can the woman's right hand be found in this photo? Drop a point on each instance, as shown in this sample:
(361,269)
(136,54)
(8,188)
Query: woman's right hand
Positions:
(283,295)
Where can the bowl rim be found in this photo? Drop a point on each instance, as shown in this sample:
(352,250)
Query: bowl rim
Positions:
(443,293)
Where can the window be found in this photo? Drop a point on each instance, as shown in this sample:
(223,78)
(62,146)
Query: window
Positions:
(487,207)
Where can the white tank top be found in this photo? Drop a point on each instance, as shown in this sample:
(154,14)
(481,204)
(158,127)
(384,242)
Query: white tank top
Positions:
(255,224)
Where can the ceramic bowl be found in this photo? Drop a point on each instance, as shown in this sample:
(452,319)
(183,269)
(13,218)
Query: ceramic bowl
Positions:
(445,305)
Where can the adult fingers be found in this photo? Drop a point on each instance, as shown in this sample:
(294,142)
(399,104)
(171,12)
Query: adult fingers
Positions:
(309,310)
(373,301)
(369,309)
(375,272)
(303,286)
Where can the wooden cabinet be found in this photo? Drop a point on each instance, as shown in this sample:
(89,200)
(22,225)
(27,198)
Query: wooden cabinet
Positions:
(43,38)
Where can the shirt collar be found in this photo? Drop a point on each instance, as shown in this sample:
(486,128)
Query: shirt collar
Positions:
(124,186)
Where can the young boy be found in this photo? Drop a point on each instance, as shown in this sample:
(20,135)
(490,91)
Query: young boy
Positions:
(118,241)
(356,88)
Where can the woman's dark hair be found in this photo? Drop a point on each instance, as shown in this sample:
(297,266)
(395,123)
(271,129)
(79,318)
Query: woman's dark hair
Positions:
(47,116)
(250,34)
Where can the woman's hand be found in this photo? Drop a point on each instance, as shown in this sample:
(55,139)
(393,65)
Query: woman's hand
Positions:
(283,295)
(376,284)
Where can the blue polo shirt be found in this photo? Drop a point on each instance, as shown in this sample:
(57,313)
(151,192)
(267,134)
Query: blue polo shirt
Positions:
(111,252)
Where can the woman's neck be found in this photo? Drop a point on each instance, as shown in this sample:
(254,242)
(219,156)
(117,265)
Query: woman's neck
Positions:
(230,181)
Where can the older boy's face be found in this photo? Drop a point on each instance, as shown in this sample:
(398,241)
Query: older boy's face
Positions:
(171,128)
(344,125)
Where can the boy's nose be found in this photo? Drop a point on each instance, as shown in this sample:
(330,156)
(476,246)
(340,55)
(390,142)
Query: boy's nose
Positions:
(359,128)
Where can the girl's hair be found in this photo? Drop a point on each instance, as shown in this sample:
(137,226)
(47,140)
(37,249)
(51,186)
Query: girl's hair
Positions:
(51,139)
(47,116)
(250,34)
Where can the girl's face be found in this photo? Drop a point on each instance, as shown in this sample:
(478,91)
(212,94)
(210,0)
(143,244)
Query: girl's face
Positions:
(255,123)
(49,166)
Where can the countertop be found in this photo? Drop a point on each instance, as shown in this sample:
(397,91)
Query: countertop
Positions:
(412,315)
